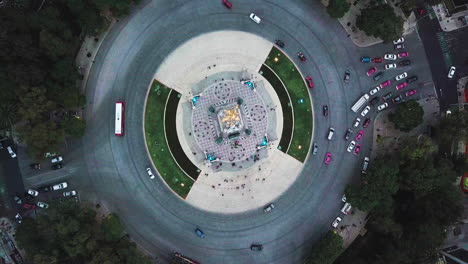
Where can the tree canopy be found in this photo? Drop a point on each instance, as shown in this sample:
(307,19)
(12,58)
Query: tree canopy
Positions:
(407,116)
(381,22)
(337,8)
(327,249)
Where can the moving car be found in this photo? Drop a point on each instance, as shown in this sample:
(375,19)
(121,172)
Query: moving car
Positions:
(150,173)
(377,60)
(365,165)
(390,57)
(387,96)
(390,66)
(279,43)
(359,135)
(351,146)
(399,46)
(328,158)
(255,18)
(378,76)
(325,110)
(410,93)
(374,101)
(60,186)
(268,208)
(301,56)
(33,192)
(199,233)
(371,71)
(451,72)
(346,208)
(314,149)
(403,54)
(356,122)
(365,59)
(331,131)
(365,111)
(227,4)
(348,134)
(11,152)
(401,85)
(404,63)
(412,79)
(309,81)
(357,149)
(57,159)
(385,84)
(366,123)
(347,76)
(336,222)
(398,41)
(42,205)
(375,90)
(256,247)
(69,193)
(401,76)
(397,99)
(382,106)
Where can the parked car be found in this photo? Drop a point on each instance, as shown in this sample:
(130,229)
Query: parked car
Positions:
(404,63)
(33,192)
(382,106)
(387,96)
(390,56)
(256,247)
(375,90)
(29,206)
(397,99)
(255,18)
(309,81)
(36,166)
(378,76)
(366,123)
(398,41)
(365,59)
(268,208)
(403,54)
(325,110)
(390,66)
(60,186)
(357,149)
(401,76)
(451,72)
(374,101)
(227,4)
(399,46)
(343,198)
(314,149)
(356,122)
(410,93)
(401,86)
(346,208)
(57,159)
(385,84)
(46,188)
(18,218)
(359,135)
(69,193)
(11,152)
(371,71)
(412,79)
(347,76)
(279,43)
(150,173)
(57,166)
(336,222)
(42,205)
(365,165)
(328,158)
(365,111)
(199,233)
(351,146)
(377,60)
(301,56)
(18,200)
(347,134)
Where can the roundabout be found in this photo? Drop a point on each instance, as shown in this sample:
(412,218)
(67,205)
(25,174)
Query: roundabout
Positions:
(163,48)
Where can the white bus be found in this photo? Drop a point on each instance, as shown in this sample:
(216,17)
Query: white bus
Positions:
(119,118)
(360,103)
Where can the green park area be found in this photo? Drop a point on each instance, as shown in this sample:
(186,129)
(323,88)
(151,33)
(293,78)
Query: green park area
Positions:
(299,94)
(155,134)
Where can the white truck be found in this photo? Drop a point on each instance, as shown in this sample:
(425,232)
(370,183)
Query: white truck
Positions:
(360,103)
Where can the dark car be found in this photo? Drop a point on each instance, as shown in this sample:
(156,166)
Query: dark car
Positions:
(399,46)
(366,122)
(387,96)
(374,101)
(347,76)
(412,79)
(325,110)
(348,134)
(404,63)
(397,99)
(378,76)
(57,166)
(47,188)
(256,247)
(279,43)
(301,56)
(227,4)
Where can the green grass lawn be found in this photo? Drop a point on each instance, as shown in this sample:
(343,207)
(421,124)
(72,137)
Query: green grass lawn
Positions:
(177,180)
(297,90)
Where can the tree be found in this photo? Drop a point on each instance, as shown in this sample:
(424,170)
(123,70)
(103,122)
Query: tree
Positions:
(381,22)
(407,116)
(417,147)
(327,249)
(112,228)
(337,8)
(74,126)
(41,137)
(453,128)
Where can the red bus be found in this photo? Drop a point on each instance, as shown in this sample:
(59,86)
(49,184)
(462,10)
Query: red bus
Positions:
(119,118)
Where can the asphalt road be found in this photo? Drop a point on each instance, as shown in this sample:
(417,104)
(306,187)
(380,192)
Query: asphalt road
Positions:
(163,223)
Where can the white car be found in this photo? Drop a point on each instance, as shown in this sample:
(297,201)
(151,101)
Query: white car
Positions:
(57,159)
(42,205)
(390,66)
(375,90)
(69,193)
(60,186)
(356,122)
(268,208)
(12,153)
(398,41)
(150,173)
(351,146)
(336,222)
(451,72)
(255,18)
(382,106)
(343,199)
(365,111)
(401,76)
(33,192)
(346,208)
(365,165)
(390,56)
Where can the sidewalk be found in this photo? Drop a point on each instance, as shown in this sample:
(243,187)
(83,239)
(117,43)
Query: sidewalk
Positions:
(359,38)
(462,91)
(447,22)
